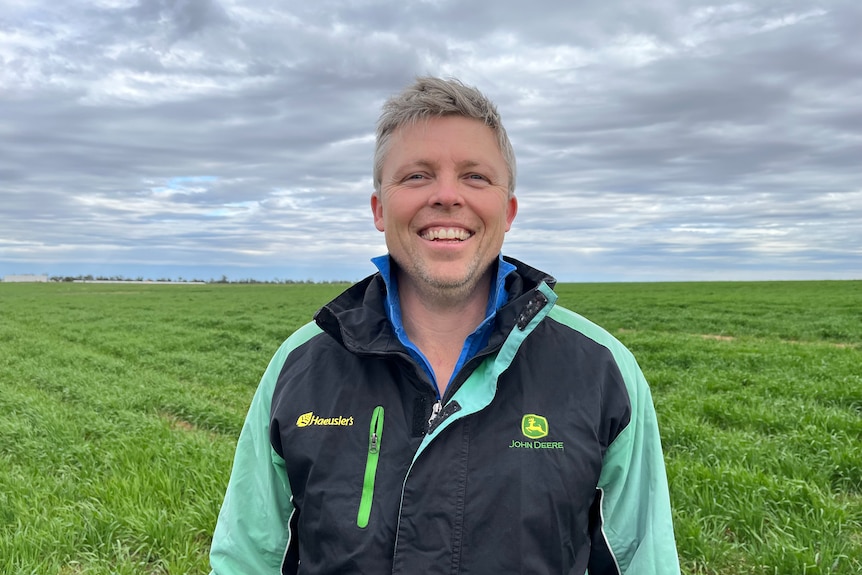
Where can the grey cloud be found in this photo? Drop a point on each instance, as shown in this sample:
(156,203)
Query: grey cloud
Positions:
(184,16)
(671,133)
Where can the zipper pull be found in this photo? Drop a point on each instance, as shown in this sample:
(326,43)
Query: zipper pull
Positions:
(440,414)
(375,434)
(435,411)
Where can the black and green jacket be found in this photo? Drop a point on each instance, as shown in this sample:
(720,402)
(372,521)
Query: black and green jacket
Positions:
(542,457)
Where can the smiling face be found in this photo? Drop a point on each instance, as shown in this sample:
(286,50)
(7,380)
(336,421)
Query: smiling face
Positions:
(444,205)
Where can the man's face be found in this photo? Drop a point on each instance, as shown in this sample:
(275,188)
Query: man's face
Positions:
(444,204)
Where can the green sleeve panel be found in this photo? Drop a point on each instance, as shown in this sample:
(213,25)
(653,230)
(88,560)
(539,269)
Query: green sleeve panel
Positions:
(252,533)
(635,503)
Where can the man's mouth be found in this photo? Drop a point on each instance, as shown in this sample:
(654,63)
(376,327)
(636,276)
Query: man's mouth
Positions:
(433,234)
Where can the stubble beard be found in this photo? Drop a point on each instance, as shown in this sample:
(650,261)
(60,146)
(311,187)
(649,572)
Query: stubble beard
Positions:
(446,292)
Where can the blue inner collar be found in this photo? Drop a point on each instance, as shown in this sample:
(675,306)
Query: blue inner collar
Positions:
(474,342)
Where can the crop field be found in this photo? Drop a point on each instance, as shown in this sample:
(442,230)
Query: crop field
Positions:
(120,406)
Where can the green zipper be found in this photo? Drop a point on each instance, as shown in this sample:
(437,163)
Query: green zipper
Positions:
(375,435)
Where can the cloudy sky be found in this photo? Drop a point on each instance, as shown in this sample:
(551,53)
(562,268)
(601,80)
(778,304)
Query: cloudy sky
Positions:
(661,140)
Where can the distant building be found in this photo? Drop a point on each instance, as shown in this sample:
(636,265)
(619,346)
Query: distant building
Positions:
(26,278)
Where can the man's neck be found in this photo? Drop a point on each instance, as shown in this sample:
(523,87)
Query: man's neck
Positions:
(438,325)
(461,308)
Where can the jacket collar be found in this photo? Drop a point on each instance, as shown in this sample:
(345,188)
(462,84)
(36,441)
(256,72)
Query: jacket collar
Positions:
(477,340)
(358,318)
(498,295)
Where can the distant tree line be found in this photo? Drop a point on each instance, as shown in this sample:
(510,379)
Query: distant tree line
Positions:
(222,280)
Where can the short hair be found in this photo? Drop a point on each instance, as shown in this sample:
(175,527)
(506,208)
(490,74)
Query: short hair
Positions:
(430,97)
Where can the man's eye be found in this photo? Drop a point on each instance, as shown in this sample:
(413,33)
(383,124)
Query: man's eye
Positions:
(478,177)
(415,177)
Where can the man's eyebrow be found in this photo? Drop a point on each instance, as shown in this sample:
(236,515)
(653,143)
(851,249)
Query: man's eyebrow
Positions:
(486,168)
(417,164)
(432,165)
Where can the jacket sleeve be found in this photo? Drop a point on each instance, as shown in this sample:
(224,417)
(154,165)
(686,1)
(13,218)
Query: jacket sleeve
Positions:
(634,500)
(252,534)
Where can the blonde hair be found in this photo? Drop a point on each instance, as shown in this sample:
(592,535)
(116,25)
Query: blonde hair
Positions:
(430,97)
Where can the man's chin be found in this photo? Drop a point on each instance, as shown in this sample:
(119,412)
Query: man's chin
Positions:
(455,286)
(446,280)
(449,276)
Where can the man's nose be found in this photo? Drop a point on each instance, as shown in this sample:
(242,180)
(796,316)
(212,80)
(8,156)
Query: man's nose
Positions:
(447,192)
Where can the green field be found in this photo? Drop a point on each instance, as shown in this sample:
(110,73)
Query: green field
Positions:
(120,406)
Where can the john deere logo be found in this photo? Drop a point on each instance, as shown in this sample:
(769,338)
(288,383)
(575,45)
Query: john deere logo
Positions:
(534,426)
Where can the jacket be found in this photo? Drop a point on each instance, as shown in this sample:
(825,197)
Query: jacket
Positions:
(543,456)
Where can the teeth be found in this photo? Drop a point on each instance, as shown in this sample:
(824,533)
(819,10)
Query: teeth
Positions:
(446,234)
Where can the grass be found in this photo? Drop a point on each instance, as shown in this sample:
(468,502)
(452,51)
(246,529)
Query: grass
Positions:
(121,405)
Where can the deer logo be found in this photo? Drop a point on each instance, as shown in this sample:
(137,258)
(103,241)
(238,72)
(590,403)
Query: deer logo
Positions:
(534,426)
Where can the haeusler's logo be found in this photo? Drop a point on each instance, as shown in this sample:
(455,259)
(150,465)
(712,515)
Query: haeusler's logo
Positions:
(309,419)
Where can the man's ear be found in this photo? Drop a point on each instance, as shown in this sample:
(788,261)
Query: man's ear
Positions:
(377,210)
(511,211)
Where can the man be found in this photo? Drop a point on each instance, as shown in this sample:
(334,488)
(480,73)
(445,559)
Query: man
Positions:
(518,437)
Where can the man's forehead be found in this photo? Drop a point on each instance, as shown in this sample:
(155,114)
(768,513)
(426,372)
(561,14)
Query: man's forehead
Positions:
(419,125)
(416,133)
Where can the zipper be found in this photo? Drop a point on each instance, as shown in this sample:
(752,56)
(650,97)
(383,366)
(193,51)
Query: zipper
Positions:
(435,411)
(375,434)
(441,413)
